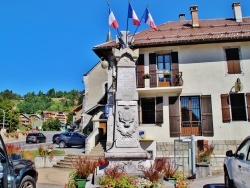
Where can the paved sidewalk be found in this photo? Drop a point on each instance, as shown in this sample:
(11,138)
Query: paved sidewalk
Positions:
(59,177)
(53,176)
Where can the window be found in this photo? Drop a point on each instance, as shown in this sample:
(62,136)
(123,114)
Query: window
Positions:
(151,110)
(194,118)
(238,109)
(191,112)
(163,64)
(233,61)
(234,107)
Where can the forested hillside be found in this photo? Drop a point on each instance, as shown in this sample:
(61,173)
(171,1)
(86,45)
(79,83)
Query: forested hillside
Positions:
(11,104)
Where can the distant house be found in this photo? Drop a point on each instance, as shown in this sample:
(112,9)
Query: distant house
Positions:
(48,115)
(33,121)
(77,115)
(36,121)
(24,119)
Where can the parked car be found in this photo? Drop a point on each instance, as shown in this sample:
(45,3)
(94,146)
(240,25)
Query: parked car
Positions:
(35,137)
(16,172)
(55,136)
(71,139)
(237,166)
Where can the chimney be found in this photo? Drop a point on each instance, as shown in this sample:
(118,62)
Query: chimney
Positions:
(194,14)
(237,12)
(182,17)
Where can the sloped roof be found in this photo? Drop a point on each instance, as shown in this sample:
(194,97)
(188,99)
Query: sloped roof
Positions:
(182,32)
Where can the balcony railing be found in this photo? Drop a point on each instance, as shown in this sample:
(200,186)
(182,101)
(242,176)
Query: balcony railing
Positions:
(190,128)
(158,80)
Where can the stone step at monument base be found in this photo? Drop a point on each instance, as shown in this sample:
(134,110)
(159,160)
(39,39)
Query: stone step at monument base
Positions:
(69,160)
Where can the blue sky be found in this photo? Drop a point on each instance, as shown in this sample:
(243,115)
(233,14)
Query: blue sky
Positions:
(48,44)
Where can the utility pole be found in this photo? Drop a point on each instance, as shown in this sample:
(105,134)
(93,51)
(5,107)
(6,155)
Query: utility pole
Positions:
(3,119)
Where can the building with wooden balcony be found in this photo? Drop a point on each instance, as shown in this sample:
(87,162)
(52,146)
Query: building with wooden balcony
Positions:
(192,79)
(61,116)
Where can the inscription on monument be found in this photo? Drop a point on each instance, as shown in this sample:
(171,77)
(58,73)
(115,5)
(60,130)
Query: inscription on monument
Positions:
(132,143)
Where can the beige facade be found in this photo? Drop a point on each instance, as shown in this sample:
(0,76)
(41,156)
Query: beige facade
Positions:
(211,55)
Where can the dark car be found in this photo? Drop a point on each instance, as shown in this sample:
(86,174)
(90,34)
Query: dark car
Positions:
(55,136)
(71,139)
(16,172)
(35,137)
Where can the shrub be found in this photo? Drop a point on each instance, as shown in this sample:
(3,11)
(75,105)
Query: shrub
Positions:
(156,170)
(146,76)
(170,168)
(84,167)
(204,156)
(12,149)
(44,152)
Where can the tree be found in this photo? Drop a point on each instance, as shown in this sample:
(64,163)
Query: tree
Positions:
(52,125)
(51,93)
(11,115)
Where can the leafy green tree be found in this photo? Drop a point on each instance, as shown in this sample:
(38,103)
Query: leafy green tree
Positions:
(52,125)
(11,115)
(8,94)
(51,93)
(35,104)
(59,94)
(70,118)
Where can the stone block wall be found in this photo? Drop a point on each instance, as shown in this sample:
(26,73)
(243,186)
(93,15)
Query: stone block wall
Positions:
(180,151)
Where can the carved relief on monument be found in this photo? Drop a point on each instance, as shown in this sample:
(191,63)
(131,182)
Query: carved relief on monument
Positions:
(126,124)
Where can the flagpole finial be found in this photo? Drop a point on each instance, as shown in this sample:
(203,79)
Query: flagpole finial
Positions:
(108,2)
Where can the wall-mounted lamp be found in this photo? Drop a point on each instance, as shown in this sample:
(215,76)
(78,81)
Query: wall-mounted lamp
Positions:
(238,86)
(104,63)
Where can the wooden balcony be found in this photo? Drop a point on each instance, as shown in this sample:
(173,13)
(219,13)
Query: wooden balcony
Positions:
(157,84)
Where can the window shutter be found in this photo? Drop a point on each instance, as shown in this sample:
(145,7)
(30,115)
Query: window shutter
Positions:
(207,117)
(233,61)
(140,71)
(174,117)
(152,70)
(159,110)
(225,108)
(174,66)
(248,105)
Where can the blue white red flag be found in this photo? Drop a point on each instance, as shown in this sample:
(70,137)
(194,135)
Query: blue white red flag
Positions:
(112,21)
(132,14)
(149,20)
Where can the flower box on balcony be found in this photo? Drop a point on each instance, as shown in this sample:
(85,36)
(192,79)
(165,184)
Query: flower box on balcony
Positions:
(164,83)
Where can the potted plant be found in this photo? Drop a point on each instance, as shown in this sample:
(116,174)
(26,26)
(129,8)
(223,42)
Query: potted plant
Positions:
(146,76)
(83,168)
(204,156)
(155,172)
(167,74)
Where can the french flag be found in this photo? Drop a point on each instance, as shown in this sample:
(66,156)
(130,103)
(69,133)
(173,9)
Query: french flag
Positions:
(132,14)
(112,20)
(149,20)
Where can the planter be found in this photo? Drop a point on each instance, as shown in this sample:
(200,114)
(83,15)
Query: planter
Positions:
(164,83)
(46,161)
(203,170)
(81,183)
(170,180)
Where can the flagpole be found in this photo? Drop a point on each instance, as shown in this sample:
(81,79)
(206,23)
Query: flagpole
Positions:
(127,28)
(119,33)
(138,25)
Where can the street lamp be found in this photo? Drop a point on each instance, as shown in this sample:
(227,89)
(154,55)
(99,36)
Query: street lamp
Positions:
(3,118)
